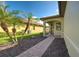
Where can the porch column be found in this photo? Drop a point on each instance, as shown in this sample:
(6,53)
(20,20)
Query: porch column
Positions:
(44,28)
(50,28)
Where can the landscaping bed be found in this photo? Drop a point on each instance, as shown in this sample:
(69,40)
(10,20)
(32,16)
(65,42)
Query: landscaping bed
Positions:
(4,39)
(23,44)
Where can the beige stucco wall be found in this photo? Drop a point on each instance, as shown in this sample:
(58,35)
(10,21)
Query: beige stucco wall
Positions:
(20,28)
(71,28)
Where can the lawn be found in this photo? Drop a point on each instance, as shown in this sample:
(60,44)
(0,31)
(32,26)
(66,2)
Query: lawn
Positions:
(4,39)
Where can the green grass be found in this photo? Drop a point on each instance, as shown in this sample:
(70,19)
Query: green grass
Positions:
(4,39)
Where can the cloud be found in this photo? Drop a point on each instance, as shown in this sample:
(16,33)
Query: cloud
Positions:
(34,17)
(41,22)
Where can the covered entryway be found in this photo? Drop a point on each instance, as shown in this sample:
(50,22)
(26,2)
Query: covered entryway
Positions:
(56,25)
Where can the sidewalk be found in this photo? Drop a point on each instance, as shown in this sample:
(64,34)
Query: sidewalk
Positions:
(39,49)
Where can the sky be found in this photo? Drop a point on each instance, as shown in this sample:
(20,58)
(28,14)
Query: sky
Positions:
(39,9)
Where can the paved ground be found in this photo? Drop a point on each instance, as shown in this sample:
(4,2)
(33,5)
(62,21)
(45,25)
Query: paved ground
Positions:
(49,48)
(23,45)
(57,49)
(39,49)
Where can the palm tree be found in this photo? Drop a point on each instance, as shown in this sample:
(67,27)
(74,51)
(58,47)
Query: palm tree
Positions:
(15,20)
(28,23)
(8,18)
(29,16)
(3,19)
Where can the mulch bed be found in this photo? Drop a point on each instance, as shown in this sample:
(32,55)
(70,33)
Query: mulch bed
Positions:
(57,49)
(23,45)
(9,45)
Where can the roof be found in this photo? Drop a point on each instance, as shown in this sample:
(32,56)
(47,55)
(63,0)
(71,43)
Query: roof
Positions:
(62,6)
(49,17)
(32,22)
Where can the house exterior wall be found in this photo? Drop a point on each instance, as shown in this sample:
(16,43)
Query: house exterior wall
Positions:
(71,28)
(20,28)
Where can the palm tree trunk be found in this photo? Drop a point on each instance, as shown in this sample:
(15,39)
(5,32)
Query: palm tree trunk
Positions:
(4,27)
(14,32)
(27,26)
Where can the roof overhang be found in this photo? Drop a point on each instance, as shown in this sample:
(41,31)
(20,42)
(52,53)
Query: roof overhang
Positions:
(62,6)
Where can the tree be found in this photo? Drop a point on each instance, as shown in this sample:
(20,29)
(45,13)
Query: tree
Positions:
(29,16)
(15,20)
(8,18)
(4,18)
(28,23)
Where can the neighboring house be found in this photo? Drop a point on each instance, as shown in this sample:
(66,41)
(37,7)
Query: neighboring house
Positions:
(66,25)
(35,27)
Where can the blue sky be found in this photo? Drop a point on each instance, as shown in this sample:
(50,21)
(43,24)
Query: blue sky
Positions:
(38,8)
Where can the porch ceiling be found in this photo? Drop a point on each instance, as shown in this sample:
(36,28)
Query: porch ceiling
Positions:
(52,22)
